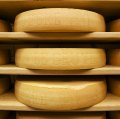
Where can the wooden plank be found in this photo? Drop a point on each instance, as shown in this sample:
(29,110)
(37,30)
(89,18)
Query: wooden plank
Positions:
(10,8)
(13,70)
(82,37)
(9,102)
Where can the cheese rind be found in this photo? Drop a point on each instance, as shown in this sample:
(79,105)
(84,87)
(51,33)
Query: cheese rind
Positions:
(60,58)
(59,20)
(4,56)
(56,115)
(60,95)
(114,57)
(114,85)
(4,26)
(4,84)
(114,26)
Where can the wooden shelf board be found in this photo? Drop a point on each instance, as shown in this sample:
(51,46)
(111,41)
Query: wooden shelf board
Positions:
(13,70)
(82,37)
(10,8)
(9,102)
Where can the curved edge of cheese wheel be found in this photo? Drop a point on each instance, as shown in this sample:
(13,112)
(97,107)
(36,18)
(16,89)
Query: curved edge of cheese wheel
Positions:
(59,20)
(61,115)
(60,58)
(4,84)
(4,114)
(114,57)
(114,26)
(114,85)
(4,56)
(60,95)
(4,26)
(114,115)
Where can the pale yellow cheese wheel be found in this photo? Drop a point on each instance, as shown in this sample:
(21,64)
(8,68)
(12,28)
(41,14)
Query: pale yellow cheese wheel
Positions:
(114,26)
(60,58)
(4,114)
(114,57)
(61,115)
(114,85)
(4,56)
(59,20)
(4,84)
(55,94)
(4,26)
(114,115)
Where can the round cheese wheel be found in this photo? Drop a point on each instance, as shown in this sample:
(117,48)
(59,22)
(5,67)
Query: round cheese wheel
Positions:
(59,20)
(56,115)
(4,84)
(4,26)
(4,56)
(60,58)
(114,115)
(114,85)
(50,94)
(114,57)
(4,114)
(114,26)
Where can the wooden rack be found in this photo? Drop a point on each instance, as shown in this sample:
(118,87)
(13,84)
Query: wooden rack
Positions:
(9,102)
(13,70)
(10,8)
(43,37)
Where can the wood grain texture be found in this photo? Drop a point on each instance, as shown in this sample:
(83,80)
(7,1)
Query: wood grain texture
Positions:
(13,70)
(9,102)
(59,37)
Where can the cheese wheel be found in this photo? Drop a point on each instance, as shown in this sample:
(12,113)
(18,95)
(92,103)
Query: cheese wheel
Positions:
(4,26)
(114,26)
(60,58)
(114,115)
(56,115)
(114,85)
(4,114)
(114,57)
(4,84)
(50,94)
(59,20)
(4,56)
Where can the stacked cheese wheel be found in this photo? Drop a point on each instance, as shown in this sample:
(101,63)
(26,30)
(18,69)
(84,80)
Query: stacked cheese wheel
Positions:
(59,20)
(4,26)
(50,115)
(60,93)
(114,85)
(60,58)
(4,56)
(114,26)
(4,84)
(114,57)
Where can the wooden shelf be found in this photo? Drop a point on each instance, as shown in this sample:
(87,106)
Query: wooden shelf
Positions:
(13,70)
(43,37)
(9,102)
(10,8)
